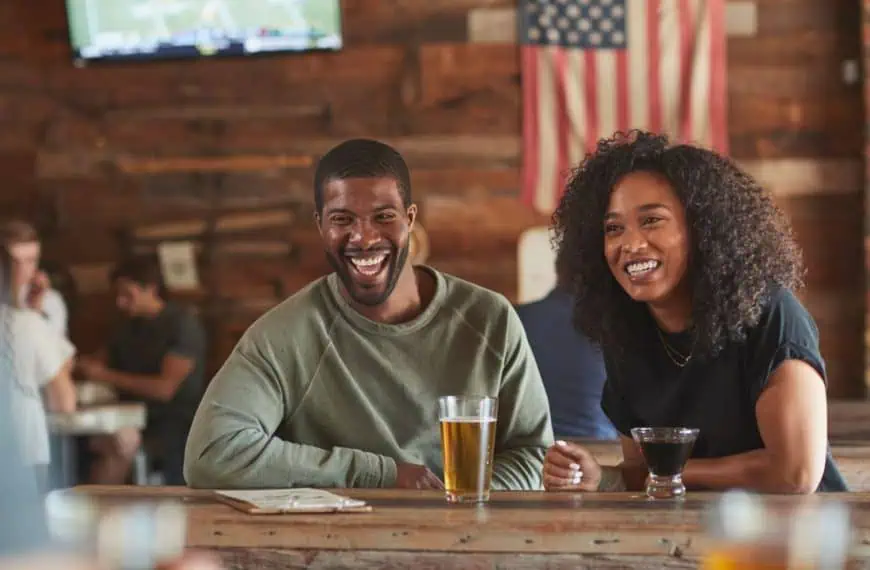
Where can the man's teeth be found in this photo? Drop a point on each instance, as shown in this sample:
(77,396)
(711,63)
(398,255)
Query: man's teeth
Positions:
(640,267)
(368,264)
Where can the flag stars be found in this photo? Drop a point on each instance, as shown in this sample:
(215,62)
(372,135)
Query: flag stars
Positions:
(617,12)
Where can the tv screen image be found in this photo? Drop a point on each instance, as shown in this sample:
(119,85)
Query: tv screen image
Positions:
(155,29)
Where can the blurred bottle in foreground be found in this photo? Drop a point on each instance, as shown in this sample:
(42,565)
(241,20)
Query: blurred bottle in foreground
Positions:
(747,534)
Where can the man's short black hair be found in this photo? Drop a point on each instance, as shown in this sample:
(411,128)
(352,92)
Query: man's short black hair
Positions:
(143,270)
(361,158)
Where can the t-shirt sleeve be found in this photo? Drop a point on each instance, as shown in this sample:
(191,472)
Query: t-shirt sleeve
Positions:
(49,349)
(786,332)
(612,403)
(189,337)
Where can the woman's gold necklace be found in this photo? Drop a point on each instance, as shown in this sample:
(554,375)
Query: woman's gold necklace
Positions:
(674,355)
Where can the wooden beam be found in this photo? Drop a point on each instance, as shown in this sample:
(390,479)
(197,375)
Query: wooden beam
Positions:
(134,165)
(225,223)
(802,176)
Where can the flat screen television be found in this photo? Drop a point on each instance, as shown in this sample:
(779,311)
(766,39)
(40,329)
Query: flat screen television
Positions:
(102,30)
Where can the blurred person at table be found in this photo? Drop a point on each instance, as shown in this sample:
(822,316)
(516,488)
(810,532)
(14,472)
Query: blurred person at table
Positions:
(39,371)
(685,272)
(338,385)
(571,366)
(34,289)
(156,355)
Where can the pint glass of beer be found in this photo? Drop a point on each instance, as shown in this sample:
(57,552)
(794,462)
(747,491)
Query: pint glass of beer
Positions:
(467,443)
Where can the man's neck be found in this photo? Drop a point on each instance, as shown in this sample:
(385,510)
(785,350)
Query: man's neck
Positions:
(409,298)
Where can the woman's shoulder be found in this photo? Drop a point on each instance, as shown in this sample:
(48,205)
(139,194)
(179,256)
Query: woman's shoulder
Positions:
(785,314)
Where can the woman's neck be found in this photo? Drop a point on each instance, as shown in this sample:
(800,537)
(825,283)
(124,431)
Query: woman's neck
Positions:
(674,315)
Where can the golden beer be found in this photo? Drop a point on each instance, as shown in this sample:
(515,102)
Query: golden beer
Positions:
(468,445)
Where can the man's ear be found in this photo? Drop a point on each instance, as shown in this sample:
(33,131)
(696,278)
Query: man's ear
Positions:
(317,222)
(412,216)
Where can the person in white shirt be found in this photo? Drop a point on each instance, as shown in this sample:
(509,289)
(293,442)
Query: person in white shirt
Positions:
(34,292)
(39,362)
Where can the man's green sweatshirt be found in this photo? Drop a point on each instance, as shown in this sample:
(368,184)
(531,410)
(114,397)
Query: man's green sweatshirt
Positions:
(316,395)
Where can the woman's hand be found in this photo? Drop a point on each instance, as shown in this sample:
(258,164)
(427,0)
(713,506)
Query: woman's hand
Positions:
(569,467)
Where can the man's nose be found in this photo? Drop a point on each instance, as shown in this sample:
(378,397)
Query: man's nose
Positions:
(364,235)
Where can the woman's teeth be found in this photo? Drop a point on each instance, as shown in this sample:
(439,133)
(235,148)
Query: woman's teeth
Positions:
(640,267)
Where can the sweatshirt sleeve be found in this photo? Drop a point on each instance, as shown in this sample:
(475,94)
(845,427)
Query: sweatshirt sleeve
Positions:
(232,442)
(524,431)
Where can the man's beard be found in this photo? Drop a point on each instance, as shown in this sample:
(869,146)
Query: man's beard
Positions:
(359,293)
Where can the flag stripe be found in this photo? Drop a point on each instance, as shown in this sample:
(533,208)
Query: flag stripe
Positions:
(718,69)
(563,127)
(590,80)
(531,113)
(639,66)
(654,89)
(576,106)
(547,130)
(699,70)
(687,55)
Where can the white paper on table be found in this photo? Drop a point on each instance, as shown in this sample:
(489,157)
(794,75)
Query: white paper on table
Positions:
(292,499)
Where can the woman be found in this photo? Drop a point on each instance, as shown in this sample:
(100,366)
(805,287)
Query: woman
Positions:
(683,270)
(38,360)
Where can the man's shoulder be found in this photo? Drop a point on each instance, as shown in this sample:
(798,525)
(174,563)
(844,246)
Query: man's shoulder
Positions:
(462,294)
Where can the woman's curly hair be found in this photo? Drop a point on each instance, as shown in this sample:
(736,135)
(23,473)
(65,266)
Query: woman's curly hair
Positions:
(742,244)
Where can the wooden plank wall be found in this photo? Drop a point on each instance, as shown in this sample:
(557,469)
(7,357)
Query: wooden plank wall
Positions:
(97,155)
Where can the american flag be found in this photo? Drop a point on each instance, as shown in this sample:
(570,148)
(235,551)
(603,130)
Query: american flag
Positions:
(594,67)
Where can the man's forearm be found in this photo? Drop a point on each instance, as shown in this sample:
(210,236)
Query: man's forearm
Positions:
(518,469)
(244,456)
(151,386)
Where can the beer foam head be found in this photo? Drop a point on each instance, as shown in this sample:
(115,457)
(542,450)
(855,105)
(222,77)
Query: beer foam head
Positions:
(468,420)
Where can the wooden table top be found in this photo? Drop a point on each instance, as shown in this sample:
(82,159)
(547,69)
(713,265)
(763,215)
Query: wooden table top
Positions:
(512,522)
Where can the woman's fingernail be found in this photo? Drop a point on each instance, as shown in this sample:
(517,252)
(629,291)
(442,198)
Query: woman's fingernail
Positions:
(560,443)
(574,467)
(577,478)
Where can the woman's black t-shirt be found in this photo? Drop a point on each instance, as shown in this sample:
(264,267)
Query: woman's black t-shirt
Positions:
(717,395)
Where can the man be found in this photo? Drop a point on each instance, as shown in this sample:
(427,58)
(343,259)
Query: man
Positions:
(338,385)
(157,355)
(572,368)
(22,242)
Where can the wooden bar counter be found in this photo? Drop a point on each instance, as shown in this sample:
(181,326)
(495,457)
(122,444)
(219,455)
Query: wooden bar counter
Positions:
(417,529)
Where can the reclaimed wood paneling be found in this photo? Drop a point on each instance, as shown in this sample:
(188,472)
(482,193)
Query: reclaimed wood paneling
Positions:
(90,153)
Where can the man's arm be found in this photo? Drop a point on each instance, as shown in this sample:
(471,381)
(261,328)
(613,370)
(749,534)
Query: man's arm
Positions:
(792,420)
(232,443)
(160,387)
(524,431)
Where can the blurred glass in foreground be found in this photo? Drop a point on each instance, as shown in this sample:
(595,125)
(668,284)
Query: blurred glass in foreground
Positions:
(809,533)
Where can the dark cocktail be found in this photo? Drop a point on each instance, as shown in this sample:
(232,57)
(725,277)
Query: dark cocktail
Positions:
(665,451)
